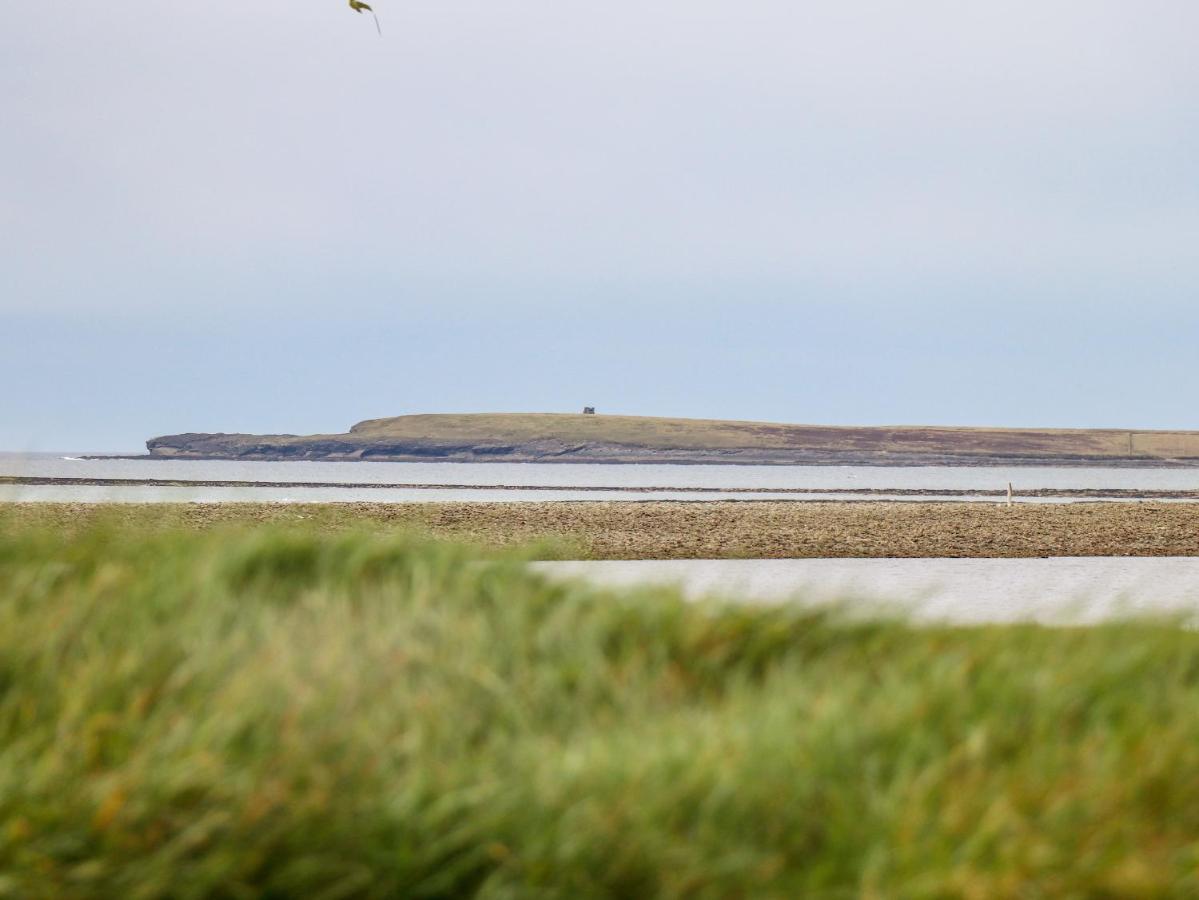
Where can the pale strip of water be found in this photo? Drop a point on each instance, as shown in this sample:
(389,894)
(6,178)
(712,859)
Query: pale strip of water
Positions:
(204,494)
(1062,590)
(725,481)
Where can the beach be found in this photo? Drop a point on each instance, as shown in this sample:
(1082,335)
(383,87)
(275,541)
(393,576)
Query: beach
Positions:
(718,530)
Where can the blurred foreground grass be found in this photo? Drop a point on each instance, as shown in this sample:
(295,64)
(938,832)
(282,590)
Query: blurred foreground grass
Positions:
(276,712)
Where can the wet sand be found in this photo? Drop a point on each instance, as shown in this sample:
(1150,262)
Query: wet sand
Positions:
(718,530)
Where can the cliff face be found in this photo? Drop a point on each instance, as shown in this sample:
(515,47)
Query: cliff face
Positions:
(250,446)
(342,447)
(562,438)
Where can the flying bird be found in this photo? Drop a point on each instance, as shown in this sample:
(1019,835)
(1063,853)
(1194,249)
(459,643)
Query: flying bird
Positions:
(359,7)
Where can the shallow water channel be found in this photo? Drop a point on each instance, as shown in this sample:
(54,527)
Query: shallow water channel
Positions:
(1064,590)
(66,477)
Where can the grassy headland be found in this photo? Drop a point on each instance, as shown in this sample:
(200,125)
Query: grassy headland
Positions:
(582,438)
(672,530)
(280,712)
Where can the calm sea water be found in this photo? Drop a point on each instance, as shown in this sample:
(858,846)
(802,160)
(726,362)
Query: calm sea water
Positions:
(498,481)
(971,591)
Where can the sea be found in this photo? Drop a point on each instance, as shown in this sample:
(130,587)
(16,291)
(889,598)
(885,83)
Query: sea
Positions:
(1051,591)
(215,481)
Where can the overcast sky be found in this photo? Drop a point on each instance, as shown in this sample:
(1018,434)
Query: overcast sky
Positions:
(257,215)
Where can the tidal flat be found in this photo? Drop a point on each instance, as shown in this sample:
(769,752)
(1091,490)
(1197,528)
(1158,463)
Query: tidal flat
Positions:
(717,530)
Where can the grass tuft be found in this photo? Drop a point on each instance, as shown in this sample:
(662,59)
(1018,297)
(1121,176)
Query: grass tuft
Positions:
(277,712)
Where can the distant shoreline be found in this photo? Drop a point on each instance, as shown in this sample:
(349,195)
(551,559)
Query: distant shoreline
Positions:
(843,494)
(861,460)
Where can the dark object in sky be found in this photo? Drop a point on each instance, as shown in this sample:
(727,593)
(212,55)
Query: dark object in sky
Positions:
(359,7)
(589,410)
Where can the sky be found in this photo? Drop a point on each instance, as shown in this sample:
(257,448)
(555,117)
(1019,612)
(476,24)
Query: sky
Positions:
(263,217)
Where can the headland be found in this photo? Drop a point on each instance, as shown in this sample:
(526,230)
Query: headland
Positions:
(550,437)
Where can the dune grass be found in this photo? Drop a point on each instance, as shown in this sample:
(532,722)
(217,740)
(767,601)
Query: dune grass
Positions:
(274,712)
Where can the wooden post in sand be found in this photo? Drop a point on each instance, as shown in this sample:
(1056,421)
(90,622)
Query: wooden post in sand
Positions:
(1009,493)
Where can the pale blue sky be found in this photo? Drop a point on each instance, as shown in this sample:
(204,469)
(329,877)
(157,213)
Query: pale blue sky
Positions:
(259,216)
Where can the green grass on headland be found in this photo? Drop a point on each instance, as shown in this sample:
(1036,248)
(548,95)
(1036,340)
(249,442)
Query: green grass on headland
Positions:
(663,433)
(278,713)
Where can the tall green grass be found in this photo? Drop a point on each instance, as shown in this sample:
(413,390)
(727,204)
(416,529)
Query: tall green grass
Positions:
(274,713)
